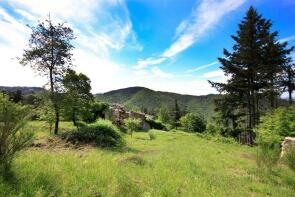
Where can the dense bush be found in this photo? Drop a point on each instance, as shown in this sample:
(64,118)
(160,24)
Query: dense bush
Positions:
(102,133)
(270,132)
(193,123)
(290,156)
(277,124)
(13,136)
(156,124)
(212,128)
(132,125)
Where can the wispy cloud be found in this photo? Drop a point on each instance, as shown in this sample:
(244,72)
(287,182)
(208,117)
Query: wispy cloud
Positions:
(141,64)
(100,26)
(201,67)
(203,18)
(287,39)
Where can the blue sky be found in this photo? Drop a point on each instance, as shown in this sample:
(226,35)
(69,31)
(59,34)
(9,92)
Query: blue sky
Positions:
(168,45)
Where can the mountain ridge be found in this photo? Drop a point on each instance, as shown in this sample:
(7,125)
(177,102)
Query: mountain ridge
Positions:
(144,99)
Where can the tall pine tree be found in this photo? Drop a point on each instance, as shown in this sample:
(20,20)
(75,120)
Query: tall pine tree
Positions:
(253,66)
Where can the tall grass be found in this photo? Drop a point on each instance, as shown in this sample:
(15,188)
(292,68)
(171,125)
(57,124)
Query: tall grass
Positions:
(175,164)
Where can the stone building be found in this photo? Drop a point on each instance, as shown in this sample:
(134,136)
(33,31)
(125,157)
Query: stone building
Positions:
(117,115)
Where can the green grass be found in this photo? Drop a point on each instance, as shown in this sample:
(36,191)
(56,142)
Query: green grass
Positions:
(174,164)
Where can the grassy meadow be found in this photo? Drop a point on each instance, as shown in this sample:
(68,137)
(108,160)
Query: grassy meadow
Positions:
(174,164)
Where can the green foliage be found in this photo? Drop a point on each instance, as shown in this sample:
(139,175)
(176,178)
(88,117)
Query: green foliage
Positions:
(13,136)
(254,64)
(164,115)
(132,125)
(94,111)
(156,124)
(277,124)
(103,133)
(193,123)
(290,156)
(212,128)
(77,96)
(45,111)
(152,135)
(274,127)
(50,54)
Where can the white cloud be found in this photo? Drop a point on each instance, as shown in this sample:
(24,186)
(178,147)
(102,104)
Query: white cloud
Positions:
(141,64)
(98,31)
(100,27)
(159,73)
(26,15)
(287,39)
(206,15)
(201,67)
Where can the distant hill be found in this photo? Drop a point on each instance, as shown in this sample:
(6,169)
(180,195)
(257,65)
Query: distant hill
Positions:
(140,98)
(24,90)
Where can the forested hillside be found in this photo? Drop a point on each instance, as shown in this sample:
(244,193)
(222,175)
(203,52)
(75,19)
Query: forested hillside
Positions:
(144,99)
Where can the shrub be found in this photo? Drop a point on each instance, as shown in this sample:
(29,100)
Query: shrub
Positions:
(152,135)
(156,124)
(13,136)
(132,125)
(290,156)
(279,124)
(212,128)
(103,133)
(193,123)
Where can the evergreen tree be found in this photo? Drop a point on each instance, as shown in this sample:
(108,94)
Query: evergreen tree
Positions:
(50,54)
(253,66)
(176,115)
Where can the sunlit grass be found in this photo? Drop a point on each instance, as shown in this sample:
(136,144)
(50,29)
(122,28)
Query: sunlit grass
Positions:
(174,164)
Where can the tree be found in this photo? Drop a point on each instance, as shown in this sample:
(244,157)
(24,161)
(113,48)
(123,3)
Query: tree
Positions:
(193,123)
(49,54)
(253,66)
(288,80)
(164,115)
(176,114)
(132,125)
(13,137)
(94,111)
(78,95)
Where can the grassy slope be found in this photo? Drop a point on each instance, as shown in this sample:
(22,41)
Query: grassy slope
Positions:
(136,98)
(175,164)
